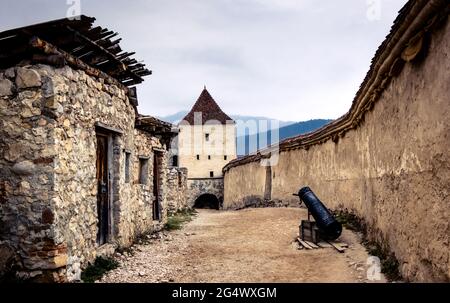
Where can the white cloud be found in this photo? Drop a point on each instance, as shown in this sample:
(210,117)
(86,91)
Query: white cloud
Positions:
(288,59)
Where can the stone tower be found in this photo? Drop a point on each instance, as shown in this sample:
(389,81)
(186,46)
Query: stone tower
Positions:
(206,143)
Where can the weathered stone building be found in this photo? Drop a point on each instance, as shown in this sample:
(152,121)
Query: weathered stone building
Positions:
(206,142)
(386,160)
(177,189)
(81,173)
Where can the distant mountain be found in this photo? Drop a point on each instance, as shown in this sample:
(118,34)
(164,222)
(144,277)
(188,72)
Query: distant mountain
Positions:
(271,124)
(174,118)
(250,143)
(286,129)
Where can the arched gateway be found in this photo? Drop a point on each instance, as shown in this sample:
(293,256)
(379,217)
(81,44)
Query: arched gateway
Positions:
(207,201)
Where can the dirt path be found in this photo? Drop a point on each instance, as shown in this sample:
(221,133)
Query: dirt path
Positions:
(251,245)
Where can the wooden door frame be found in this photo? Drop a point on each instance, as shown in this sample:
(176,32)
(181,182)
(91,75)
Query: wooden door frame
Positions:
(102,177)
(157,171)
(110,134)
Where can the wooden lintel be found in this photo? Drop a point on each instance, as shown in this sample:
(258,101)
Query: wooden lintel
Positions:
(102,126)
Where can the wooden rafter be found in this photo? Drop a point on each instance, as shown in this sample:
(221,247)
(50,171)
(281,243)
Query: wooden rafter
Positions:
(91,45)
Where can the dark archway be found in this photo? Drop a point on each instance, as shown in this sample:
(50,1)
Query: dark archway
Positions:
(208,201)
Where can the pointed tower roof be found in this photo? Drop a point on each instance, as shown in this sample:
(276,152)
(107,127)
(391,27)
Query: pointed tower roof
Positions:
(208,108)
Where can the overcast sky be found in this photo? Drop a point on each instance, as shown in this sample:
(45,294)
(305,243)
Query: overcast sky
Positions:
(286,59)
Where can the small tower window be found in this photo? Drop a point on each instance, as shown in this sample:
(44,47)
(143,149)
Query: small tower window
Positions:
(209,157)
(225,158)
(211,174)
(206,137)
(175,161)
(198,157)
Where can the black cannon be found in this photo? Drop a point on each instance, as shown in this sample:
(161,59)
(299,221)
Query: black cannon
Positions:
(330,229)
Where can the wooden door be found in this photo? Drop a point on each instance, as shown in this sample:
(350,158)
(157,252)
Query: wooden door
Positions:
(103,191)
(156,186)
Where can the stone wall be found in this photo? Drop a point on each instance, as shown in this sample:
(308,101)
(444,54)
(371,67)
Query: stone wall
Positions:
(136,217)
(200,186)
(176,189)
(244,185)
(392,168)
(27,153)
(48,188)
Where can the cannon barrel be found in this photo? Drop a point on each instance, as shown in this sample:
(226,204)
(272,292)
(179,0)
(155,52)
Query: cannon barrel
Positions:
(329,227)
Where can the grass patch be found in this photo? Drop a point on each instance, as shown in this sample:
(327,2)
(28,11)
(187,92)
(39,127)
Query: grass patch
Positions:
(175,221)
(350,221)
(95,271)
(389,263)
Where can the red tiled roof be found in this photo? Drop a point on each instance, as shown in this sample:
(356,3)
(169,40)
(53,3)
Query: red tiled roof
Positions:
(209,110)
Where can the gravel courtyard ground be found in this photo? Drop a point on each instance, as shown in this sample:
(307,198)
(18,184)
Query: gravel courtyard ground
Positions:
(251,245)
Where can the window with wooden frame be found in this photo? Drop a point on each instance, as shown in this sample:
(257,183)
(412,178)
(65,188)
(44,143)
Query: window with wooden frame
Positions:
(143,170)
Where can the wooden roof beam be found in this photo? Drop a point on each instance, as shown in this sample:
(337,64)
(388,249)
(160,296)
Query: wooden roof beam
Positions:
(111,56)
(49,49)
(129,61)
(124,55)
(98,59)
(107,35)
(81,22)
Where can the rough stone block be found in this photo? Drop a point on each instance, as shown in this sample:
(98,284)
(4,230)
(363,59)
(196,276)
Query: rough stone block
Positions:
(6,87)
(27,78)
(6,258)
(10,73)
(24,168)
(59,261)
(48,87)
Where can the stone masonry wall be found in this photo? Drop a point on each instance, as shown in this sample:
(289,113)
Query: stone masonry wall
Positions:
(393,170)
(136,218)
(176,189)
(48,190)
(244,185)
(27,151)
(83,101)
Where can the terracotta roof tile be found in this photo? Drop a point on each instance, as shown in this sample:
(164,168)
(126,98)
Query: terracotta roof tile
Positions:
(208,108)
